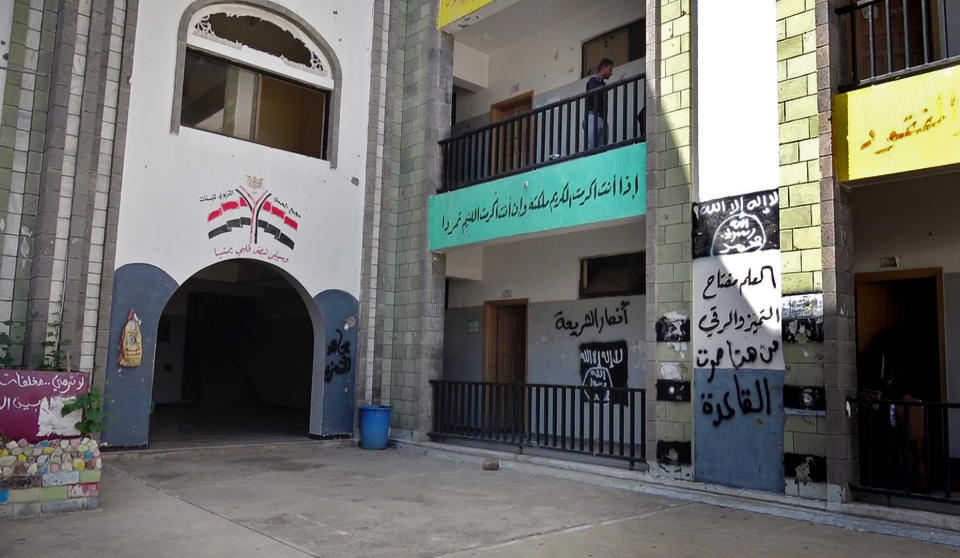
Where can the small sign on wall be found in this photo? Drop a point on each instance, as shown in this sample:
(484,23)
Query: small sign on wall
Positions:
(473,326)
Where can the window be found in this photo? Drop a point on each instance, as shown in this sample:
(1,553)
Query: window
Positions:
(244,103)
(621,45)
(623,274)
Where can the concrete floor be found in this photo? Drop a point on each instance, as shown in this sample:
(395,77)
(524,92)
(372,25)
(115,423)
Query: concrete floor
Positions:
(185,426)
(306,499)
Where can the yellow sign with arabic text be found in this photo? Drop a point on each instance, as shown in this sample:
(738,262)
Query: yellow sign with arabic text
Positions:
(905,125)
(453,10)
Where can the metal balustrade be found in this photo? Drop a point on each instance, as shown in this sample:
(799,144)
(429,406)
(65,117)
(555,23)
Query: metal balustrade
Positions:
(599,421)
(888,39)
(549,134)
(905,447)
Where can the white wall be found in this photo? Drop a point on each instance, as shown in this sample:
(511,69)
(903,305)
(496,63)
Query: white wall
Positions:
(736,117)
(162,220)
(914,220)
(471,68)
(543,269)
(548,57)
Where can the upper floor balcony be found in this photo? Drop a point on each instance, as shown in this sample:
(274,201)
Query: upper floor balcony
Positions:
(532,150)
(585,124)
(897,108)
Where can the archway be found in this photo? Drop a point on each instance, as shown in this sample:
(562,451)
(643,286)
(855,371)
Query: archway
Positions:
(234,359)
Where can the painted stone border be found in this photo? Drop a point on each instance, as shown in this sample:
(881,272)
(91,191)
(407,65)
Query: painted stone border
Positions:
(51,476)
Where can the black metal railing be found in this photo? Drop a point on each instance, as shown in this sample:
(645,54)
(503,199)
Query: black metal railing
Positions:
(549,134)
(598,421)
(905,447)
(888,39)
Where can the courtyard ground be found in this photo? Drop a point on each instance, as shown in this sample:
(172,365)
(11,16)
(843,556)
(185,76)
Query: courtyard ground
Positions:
(310,499)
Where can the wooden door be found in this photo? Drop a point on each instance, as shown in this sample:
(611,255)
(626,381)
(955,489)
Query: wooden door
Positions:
(505,342)
(505,362)
(510,145)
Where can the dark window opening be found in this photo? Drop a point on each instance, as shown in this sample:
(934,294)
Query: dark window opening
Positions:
(623,274)
(257,34)
(244,103)
(622,45)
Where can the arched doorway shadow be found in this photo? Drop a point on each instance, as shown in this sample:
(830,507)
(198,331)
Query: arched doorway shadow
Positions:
(150,291)
(234,358)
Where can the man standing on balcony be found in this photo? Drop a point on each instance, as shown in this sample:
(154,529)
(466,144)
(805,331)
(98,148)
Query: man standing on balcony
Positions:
(596,106)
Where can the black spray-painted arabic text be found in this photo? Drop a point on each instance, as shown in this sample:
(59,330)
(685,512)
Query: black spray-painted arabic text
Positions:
(594,319)
(725,411)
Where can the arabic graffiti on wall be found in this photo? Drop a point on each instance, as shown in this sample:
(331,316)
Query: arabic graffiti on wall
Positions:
(737,337)
(737,311)
(917,127)
(259,215)
(606,186)
(594,319)
(739,427)
(338,357)
(737,224)
(746,398)
(603,366)
(30,403)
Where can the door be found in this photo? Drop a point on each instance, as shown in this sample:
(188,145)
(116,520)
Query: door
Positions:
(511,144)
(900,356)
(505,362)
(899,335)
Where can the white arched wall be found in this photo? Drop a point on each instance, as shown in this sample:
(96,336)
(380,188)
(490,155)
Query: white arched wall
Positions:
(163,220)
(174,181)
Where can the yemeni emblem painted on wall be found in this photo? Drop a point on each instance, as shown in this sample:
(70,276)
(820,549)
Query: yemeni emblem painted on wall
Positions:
(131,342)
(604,366)
(251,222)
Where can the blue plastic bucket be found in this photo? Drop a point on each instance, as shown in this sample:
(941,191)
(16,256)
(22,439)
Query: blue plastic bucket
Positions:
(374,426)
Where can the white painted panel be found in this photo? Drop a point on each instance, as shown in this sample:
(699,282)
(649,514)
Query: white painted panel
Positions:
(465,263)
(162,218)
(914,220)
(736,311)
(543,269)
(471,68)
(737,135)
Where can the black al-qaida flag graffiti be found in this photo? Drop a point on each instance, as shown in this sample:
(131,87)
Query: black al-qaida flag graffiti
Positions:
(602,366)
(737,224)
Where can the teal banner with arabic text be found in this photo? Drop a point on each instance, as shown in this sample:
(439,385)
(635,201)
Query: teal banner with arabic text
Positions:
(596,188)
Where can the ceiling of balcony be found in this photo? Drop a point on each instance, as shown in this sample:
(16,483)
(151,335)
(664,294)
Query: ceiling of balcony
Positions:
(502,28)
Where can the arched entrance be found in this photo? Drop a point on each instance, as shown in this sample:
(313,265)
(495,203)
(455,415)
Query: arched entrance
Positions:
(234,358)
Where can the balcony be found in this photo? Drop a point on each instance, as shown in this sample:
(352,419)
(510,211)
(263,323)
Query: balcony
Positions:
(897,110)
(543,170)
(550,134)
(892,39)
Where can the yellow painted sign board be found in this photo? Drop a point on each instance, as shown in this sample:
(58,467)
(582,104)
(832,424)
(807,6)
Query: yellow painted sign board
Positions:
(453,10)
(899,126)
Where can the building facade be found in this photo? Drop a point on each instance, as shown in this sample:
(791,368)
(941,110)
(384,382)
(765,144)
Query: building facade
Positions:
(731,263)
